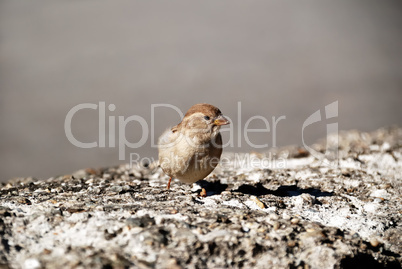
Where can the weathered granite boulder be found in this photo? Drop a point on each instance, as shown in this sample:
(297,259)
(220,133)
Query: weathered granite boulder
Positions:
(282,209)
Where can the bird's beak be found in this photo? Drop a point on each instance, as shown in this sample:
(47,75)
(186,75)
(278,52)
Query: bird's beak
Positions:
(221,120)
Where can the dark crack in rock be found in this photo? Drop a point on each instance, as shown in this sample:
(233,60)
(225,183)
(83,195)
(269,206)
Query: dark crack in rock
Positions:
(292,211)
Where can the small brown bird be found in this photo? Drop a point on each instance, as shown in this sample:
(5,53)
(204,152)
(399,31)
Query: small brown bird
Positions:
(192,149)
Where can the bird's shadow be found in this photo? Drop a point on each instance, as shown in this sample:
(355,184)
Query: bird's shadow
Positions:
(212,187)
(282,191)
(216,188)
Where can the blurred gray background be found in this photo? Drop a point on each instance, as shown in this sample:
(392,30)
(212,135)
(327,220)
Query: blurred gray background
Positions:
(278,58)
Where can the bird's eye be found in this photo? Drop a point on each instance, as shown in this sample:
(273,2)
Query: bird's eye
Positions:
(206,117)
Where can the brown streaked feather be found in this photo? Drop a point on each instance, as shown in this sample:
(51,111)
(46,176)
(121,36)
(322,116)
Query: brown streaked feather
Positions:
(206,109)
(174,128)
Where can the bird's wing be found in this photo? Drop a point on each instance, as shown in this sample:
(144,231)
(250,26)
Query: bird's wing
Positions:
(168,136)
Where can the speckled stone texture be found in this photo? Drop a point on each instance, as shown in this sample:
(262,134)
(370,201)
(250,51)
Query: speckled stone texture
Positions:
(282,209)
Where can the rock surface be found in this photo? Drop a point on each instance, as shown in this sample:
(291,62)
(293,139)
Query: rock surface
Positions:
(284,208)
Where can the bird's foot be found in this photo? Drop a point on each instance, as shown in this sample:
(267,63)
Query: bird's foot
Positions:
(203,193)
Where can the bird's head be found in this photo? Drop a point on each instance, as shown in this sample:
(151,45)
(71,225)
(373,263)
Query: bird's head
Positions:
(203,119)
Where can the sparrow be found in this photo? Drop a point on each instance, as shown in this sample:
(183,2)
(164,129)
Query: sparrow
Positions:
(191,150)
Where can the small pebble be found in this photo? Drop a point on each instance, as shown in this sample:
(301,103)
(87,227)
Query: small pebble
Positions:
(31,263)
(257,201)
(295,221)
(172,264)
(374,242)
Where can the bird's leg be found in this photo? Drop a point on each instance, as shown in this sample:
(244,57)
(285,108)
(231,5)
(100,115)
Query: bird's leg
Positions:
(168,185)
